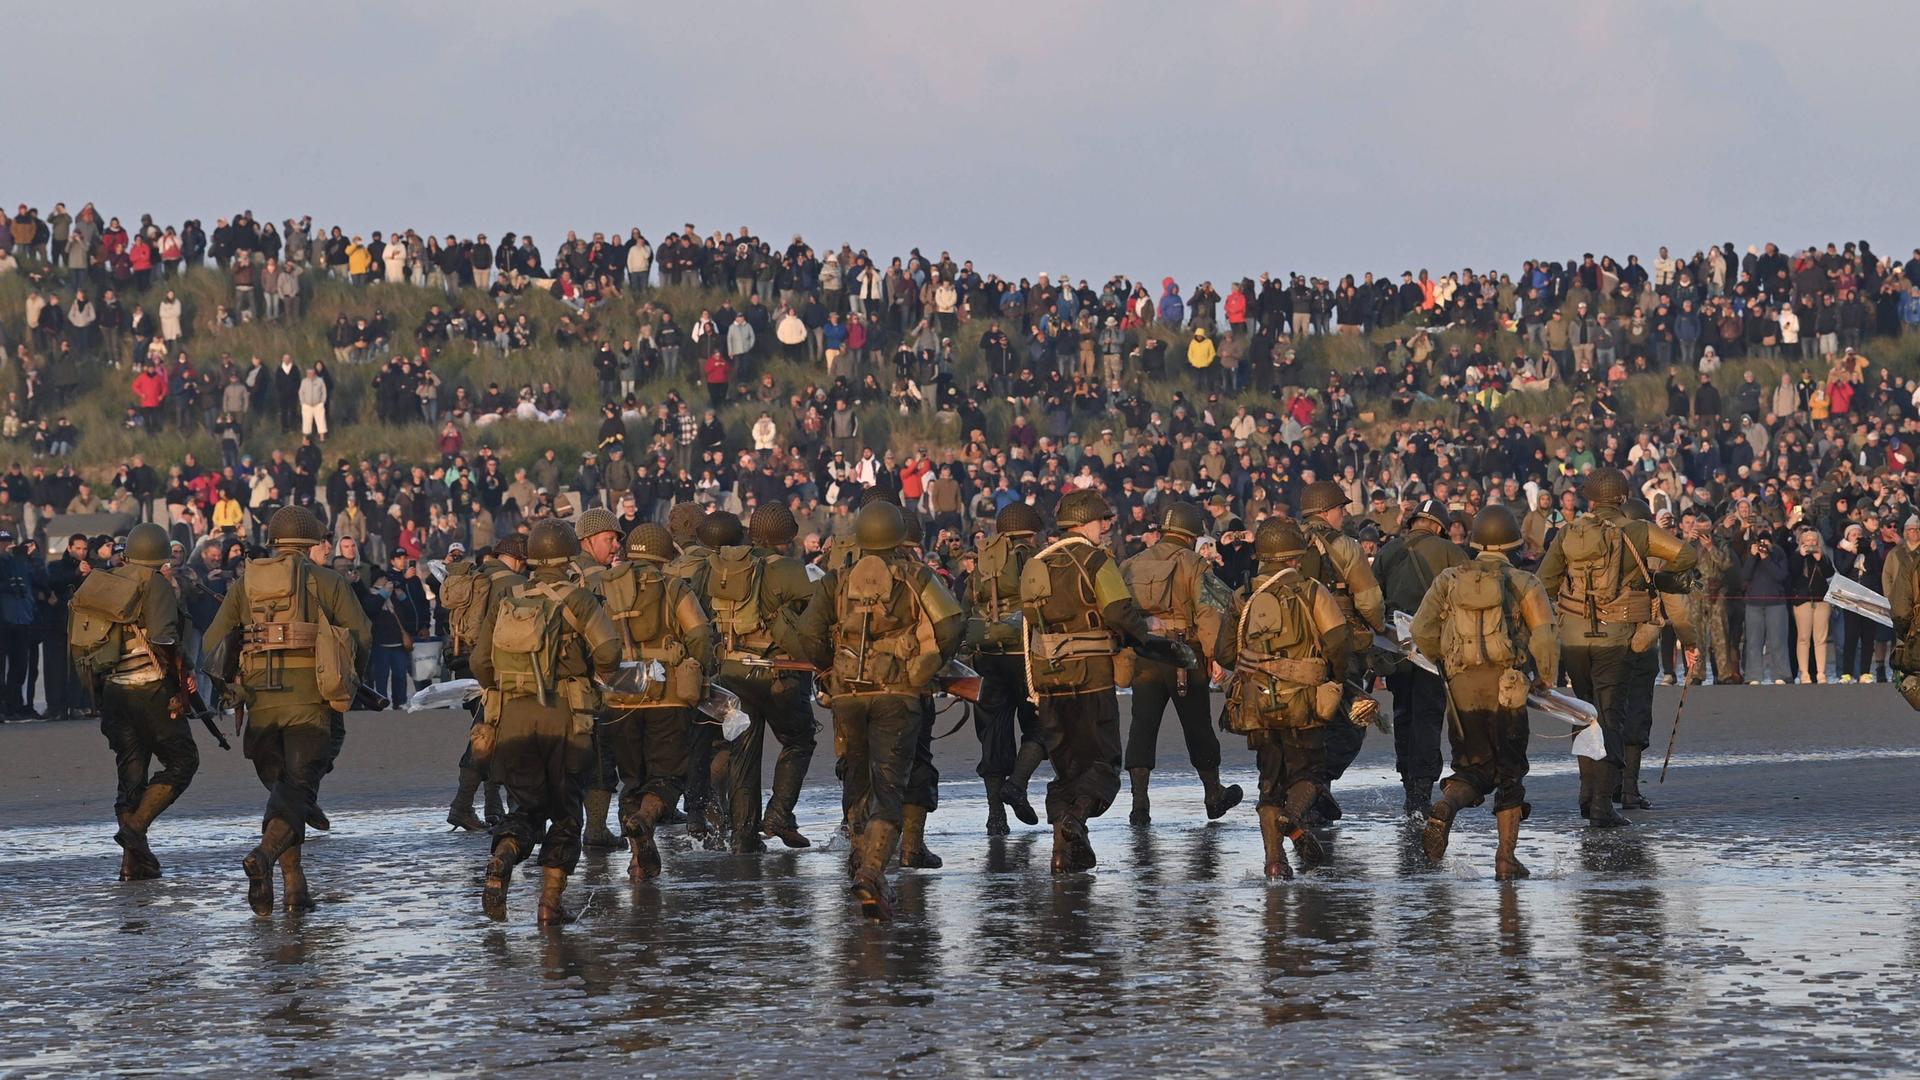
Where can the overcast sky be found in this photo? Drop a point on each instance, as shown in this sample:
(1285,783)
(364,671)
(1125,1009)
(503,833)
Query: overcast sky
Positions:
(1203,140)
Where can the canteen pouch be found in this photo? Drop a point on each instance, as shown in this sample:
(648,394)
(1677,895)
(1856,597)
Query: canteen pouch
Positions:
(1123,668)
(686,681)
(1513,689)
(1326,700)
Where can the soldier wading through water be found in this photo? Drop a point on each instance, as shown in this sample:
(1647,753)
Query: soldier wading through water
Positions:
(1289,650)
(302,639)
(1486,622)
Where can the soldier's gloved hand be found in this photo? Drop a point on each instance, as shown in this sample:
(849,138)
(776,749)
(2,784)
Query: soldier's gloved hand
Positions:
(1166,651)
(1675,581)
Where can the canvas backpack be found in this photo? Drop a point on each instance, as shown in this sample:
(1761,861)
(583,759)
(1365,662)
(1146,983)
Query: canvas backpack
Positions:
(102,609)
(464,594)
(995,583)
(529,631)
(733,596)
(1478,630)
(1155,579)
(884,637)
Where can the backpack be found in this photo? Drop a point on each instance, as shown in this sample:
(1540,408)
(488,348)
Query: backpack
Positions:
(1065,631)
(842,553)
(1478,628)
(1153,579)
(529,630)
(101,611)
(1273,684)
(733,596)
(996,577)
(279,599)
(884,637)
(464,595)
(1595,586)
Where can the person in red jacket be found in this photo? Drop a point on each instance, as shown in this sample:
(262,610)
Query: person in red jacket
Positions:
(149,393)
(718,371)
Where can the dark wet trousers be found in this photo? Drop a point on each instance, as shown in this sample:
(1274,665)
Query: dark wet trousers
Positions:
(1003,701)
(290,758)
(1490,743)
(874,737)
(1154,686)
(1082,735)
(543,762)
(701,746)
(1293,765)
(604,772)
(1419,715)
(1599,674)
(1343,745)
(650,746)
(1643,668)
(134,719)
(923,780)
(785,706)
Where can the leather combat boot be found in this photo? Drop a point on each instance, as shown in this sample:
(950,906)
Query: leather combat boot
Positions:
(551,886)
(1453,797)
(318,820)
(1273,837)
(1505,866)
(1142,807)
(506,855)
(275,837)
(1630,796)
(870,880)
(913,840)
(1600,811)
(645,864)
(460,815)
(780,824)
(1219,799)
(1418,800)
(1072,850)
(141,863)
(1300,798)
(597,834)
(293,881)
(1014,791)
(996,808)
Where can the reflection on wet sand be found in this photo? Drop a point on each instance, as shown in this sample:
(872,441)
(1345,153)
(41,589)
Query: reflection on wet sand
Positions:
(1660,948)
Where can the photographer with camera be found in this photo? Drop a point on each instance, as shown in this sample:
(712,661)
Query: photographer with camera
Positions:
(1763,570)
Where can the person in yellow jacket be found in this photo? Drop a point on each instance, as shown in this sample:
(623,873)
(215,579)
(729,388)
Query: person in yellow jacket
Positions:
(359,262)
(228,514)
(1200,357)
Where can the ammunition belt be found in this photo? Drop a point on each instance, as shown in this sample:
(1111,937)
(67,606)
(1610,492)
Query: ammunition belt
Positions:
(1298,672)
(257,637)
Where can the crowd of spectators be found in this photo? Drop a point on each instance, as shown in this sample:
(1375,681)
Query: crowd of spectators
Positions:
(728,369)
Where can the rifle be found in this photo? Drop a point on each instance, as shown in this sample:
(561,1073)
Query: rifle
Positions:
(955,679)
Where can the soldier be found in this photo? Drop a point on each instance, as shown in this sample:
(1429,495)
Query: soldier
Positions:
(1706,605)
(536,659)
(469,595)
(1483,621)
(884,627)
(1078,614)
(303,638)
(682,521)
(1289,649)
(659,619)
(1597,569)
(1338,562)
(599,533)
(1643,667)
(710,760)
(993,598)
(124,632)
(922,794)
(749,589)
(1408,565)
(1182,600)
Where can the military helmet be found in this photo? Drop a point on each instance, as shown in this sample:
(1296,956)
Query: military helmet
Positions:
(772,525)
(879,526)
(512,545)
(147,545)
(1322,495)
(1279,538)
(1637,509)
(1183,519)
(1435,511)
(1605,486)
(1495,529)
(294,526)
(651,543)
(552,542)
(595,521)
(683,519)
(720,529)
(1080,507)
(1017,519)
(874,494)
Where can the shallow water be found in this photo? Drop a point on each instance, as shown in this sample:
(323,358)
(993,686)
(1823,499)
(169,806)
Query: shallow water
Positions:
(1710,943)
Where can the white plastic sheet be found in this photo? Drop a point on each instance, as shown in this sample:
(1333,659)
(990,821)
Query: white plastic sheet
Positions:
(1590,743)
(724,706)
(1852,596)
(452,694)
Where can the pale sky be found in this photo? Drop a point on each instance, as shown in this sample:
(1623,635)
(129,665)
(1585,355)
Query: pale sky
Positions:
(1199,140)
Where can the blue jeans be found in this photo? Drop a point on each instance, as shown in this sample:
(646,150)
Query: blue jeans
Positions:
(1769,639)
(390,672)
